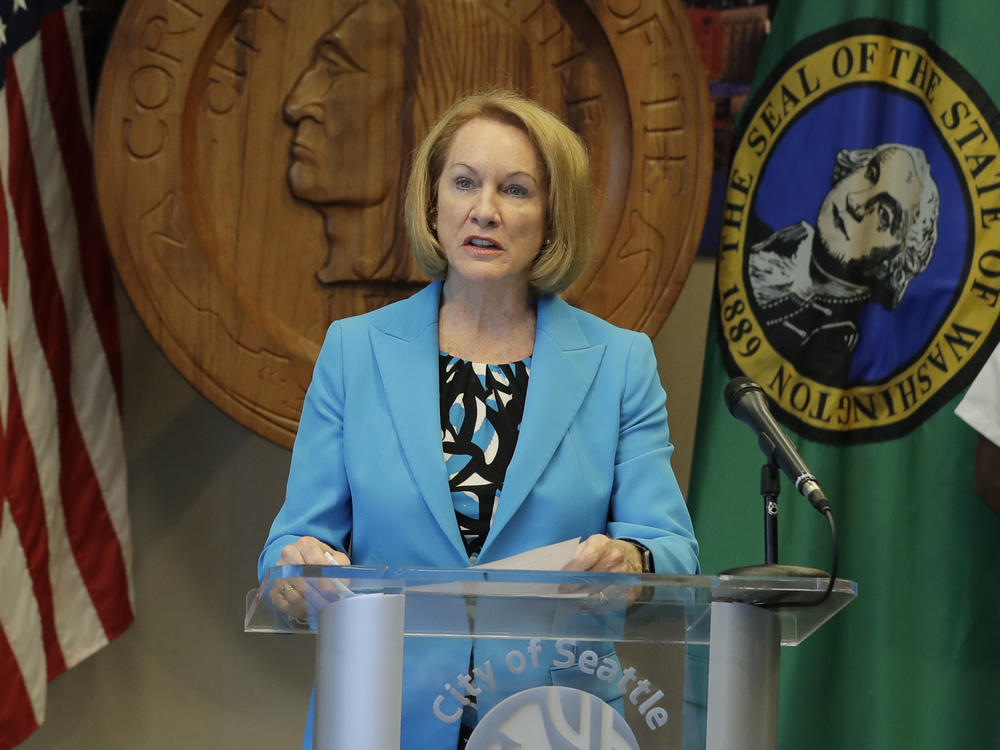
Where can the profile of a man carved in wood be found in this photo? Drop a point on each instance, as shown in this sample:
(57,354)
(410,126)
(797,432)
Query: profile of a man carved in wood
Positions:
(376,80)
(251,158)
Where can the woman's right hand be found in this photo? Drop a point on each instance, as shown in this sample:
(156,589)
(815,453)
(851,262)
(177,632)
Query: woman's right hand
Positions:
(296,596)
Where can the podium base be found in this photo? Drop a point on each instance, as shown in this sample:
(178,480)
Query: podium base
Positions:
(775,570)
(773,597)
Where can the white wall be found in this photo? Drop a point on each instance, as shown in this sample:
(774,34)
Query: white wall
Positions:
(202,492)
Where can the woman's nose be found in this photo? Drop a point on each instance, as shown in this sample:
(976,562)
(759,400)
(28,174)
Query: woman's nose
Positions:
(485,211)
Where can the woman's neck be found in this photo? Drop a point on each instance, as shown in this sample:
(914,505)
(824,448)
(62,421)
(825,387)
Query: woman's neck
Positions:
(486,322)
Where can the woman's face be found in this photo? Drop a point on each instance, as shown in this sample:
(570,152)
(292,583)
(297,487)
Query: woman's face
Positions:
(492,201)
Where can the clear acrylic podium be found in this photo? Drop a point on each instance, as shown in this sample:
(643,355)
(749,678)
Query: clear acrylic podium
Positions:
(546,659)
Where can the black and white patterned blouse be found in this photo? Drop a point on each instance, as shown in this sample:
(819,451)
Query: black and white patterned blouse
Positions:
(481,409)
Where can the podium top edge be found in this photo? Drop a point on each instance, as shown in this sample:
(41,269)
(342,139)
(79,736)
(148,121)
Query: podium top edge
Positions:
(723,584)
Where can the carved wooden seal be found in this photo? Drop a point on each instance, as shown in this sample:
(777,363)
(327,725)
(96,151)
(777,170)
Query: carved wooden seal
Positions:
(251,157)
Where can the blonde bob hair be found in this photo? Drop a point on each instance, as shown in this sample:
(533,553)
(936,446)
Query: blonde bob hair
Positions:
(570,216)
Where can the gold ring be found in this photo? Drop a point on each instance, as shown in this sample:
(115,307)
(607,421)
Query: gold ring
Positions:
(286,588)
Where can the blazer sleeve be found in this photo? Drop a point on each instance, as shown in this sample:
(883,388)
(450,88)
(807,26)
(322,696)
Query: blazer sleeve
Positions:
(317,495)
(646,501)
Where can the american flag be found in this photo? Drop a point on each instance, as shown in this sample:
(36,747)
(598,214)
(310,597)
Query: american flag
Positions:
(65,550)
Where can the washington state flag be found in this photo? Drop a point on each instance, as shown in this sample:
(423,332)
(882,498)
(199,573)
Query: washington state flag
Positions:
(858,283)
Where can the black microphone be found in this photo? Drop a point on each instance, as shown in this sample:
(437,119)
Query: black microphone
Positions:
(747,403)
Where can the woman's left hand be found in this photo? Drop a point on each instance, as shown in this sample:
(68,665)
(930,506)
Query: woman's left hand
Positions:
(601,553)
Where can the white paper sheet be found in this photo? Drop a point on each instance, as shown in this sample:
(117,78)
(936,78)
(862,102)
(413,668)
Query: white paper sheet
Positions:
(550,557)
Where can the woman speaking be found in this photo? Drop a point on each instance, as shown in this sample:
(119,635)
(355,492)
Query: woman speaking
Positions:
(484,416)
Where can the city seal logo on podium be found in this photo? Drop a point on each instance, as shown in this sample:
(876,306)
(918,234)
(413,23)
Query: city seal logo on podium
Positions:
(251,159)
(859,261)
(553,718)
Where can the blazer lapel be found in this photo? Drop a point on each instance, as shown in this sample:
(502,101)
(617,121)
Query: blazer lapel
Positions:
(406,352)
(563,367)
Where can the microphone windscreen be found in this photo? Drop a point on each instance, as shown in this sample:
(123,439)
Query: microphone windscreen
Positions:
(735,390)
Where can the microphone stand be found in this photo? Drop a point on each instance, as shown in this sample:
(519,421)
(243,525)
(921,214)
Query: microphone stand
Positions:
(747,403)
(770,486)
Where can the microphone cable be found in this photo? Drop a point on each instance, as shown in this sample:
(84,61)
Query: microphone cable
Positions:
(833,563)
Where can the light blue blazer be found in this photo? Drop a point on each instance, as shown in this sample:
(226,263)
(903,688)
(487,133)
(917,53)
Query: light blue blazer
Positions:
(593,453)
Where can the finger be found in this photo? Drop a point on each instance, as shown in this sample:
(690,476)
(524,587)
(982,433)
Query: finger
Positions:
(298,596)
(291,554)
(286,597)
(302,597)
(335,557)
(308,550)
(333,588)
(311,550)
(317,594)
(291,588)
(627,557)
(315,552)
(587,554)
(616,556)
(612,560)
(301,552)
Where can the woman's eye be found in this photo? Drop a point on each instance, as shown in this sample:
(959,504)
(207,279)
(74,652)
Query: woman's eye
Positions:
(517,191)
(463,183)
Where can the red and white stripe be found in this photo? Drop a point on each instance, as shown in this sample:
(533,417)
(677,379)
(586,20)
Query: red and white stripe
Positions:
(65,547)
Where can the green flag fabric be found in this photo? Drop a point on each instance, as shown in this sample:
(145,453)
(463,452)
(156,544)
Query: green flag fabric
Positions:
(858,283)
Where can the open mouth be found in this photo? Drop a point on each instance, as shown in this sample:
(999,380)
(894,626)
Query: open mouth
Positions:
(482,242)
